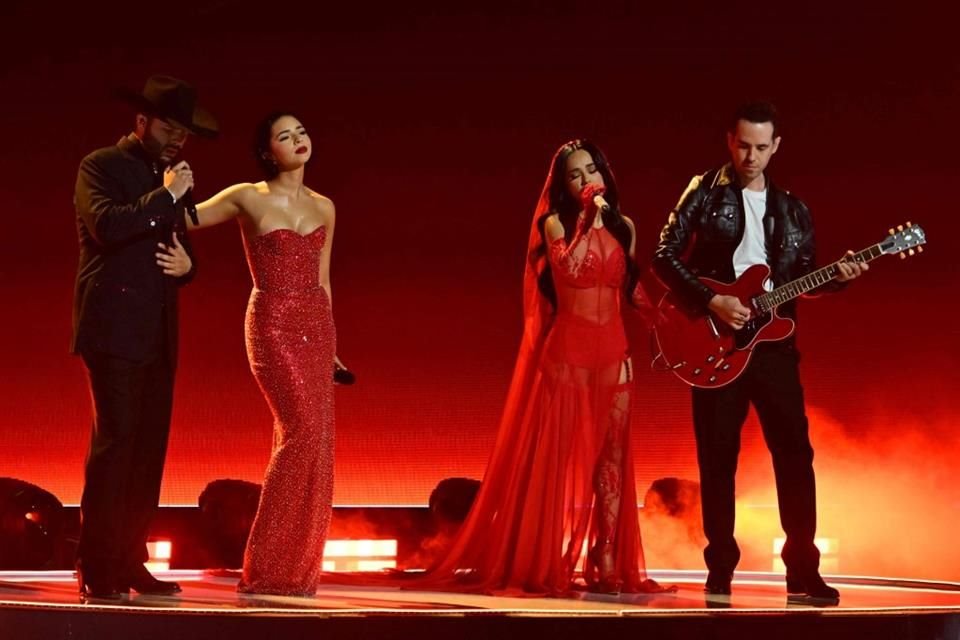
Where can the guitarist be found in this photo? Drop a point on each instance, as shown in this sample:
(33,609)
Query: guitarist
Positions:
(726,221)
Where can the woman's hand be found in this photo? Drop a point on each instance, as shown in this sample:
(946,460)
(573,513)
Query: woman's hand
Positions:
(590,209)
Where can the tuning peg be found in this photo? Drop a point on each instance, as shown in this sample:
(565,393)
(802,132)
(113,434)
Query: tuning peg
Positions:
(903,256)
(892,231)
(919,249)
(909,224)
(911,252)
(899,227)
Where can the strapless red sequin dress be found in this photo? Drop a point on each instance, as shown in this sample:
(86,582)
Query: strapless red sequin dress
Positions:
(291,344)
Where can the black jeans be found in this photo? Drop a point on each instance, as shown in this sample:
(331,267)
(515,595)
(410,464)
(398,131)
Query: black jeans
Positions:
(132,408)
(772,383)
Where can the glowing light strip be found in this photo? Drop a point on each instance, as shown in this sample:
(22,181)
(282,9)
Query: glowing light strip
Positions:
(160,549)
(193,505)
(680,575)
(474,612)
(360,549)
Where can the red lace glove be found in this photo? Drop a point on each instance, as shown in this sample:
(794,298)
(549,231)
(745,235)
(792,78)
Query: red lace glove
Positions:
(590,210)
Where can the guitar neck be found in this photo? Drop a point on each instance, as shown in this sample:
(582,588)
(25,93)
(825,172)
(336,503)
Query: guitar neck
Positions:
(796,288)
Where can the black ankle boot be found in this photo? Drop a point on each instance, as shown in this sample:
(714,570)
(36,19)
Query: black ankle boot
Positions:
(718,583)
(811,586)
(143,582)
(97,585)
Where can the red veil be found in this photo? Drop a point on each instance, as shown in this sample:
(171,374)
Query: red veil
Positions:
(560,476)
(538,506)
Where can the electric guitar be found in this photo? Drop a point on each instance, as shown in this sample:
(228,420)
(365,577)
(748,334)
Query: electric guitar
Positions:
(705,352)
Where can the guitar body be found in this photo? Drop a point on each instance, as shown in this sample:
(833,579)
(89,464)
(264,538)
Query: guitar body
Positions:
(705,352)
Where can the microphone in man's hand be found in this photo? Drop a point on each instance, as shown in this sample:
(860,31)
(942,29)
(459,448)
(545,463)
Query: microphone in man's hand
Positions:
(191,207)
(187,199)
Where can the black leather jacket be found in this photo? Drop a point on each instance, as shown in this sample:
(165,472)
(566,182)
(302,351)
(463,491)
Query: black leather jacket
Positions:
(706,226)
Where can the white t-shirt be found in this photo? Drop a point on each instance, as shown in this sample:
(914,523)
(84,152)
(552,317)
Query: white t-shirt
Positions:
(753,246)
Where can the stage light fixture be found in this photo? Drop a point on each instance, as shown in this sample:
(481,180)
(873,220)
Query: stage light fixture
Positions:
(31,526)
(227,510)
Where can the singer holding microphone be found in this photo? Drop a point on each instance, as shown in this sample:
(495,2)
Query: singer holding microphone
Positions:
(134,257)
(560,477)
(288,231)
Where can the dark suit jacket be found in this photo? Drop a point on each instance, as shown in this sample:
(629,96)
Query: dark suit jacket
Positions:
(123,304)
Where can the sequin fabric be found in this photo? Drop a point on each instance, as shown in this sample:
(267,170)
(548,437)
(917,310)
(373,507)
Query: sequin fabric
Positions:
(291,343)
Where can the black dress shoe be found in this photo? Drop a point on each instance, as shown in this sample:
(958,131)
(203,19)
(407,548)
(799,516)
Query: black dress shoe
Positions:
(812,587)
(143,582)
(94,587)
(718,584)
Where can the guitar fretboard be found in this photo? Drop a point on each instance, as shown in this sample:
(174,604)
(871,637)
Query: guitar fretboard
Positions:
(787,292)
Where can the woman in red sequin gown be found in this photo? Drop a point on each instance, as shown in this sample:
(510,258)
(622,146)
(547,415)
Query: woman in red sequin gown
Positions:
(291,345)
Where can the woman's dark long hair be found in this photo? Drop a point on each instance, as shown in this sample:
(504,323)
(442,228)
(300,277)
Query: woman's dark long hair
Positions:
(568,209)
(261,143)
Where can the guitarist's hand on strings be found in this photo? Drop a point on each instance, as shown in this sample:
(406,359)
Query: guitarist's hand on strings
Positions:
(848,269)
(730,310)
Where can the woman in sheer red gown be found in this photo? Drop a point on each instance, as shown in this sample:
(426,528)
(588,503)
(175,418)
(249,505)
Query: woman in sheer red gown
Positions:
(560,479)
(291,345)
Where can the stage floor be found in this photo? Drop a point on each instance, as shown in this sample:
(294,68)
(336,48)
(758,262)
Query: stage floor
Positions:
(29,599)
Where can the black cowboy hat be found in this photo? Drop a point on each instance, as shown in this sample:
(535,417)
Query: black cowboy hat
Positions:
(173,100)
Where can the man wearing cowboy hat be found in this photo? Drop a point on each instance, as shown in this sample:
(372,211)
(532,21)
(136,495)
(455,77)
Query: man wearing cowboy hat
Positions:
(134,256)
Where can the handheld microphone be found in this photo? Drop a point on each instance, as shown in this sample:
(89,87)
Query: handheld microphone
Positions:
(187,199)
(598,201)
(192,208)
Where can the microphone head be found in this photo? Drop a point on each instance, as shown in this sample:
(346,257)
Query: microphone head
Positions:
(600,202)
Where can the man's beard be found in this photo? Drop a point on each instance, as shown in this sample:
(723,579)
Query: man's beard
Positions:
(163,152)
(168,153)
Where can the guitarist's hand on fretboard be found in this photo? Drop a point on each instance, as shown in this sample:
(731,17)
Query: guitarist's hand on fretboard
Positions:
(849,270)
(730,310)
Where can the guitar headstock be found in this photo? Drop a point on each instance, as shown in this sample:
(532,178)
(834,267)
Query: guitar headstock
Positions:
(906,239)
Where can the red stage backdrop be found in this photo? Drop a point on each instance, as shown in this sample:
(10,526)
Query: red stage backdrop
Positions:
(432,134)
